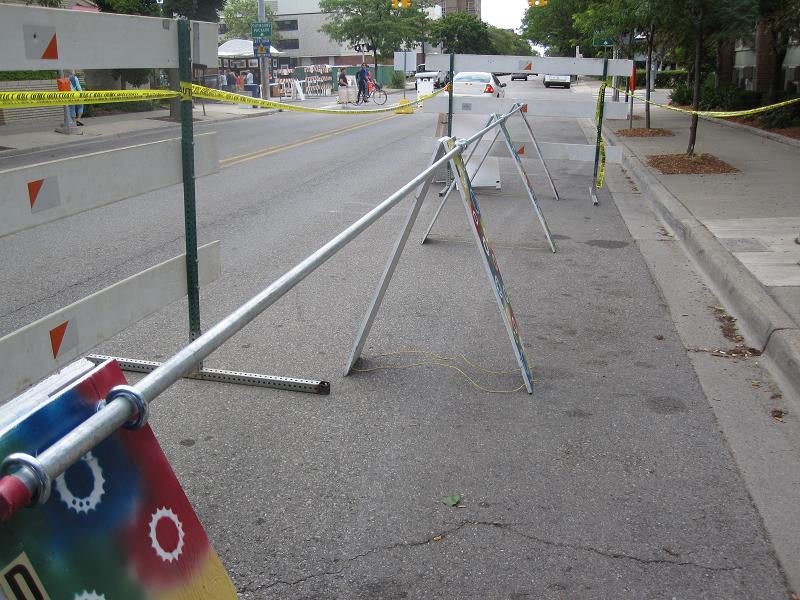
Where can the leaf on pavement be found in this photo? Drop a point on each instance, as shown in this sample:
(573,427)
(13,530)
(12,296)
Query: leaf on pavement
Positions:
(452,501)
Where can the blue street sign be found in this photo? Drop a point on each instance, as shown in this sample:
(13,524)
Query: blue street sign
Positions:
(261,46)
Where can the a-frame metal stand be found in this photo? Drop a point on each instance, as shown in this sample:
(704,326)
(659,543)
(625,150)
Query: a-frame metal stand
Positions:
(520,169)
(485,251)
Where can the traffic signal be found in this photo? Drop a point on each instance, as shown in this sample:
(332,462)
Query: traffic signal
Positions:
(395,3)
(537,3)
(406,4)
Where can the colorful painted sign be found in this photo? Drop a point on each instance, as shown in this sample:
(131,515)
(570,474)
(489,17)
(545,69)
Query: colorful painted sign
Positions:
(490,263)
(117,524)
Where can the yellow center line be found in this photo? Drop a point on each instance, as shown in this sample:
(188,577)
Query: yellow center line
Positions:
(241,158)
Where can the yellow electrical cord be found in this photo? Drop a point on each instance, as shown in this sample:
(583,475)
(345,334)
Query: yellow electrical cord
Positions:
(442,361)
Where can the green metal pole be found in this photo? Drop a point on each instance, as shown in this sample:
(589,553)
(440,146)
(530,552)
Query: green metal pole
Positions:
(187,156)
(601,104)
(450,102)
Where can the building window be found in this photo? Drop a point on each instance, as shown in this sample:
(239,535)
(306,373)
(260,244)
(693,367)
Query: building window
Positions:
(288,44)
(288,25)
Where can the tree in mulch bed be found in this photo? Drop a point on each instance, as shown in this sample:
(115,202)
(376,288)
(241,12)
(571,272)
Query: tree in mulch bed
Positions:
(644,132)
(682,164)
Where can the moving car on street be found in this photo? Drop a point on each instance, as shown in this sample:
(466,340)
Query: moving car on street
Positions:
(477,83)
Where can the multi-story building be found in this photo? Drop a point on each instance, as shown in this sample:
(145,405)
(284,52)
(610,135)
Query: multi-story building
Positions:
(751,63)
(298,23)
(470,6)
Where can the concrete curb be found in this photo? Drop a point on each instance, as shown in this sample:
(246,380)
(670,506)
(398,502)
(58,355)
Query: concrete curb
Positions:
(772,330)
(776,137)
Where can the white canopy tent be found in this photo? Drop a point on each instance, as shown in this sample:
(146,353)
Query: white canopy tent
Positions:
(242,49)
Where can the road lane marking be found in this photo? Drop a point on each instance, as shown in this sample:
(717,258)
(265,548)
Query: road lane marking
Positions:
(242,158)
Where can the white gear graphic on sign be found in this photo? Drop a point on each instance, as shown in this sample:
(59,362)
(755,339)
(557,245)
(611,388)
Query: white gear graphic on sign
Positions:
(90,502)
(165,513)
(90,596)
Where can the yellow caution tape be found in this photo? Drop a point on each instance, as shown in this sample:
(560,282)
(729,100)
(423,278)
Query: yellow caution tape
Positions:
(717,113)
(601,171)
(198,91)
(187,92)
(30,99)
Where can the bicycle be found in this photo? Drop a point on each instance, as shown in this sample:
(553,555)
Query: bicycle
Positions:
(378,96)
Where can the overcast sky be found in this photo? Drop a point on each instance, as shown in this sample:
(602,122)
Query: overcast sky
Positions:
(504,13)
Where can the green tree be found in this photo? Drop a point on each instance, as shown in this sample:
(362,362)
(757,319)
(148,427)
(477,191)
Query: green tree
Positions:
(147,8)
(553,26)
(623,21)
(507,42)
(239,14)
(198,10)
(704,24)
(373,22)
(781,18)
(462,33)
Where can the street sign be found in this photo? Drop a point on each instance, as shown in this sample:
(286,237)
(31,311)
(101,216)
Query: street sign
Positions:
(262,29)
(602,42)
(405,61)
(261,46)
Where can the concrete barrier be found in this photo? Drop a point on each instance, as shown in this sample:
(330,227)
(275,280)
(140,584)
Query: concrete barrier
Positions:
(45,192)
(35,38)
(479,105)
(33,352)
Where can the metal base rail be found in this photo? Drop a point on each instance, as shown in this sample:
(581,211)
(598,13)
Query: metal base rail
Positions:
(290,384)
(26,480)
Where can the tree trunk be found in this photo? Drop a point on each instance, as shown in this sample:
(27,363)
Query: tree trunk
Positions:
(779,49)
(698,52)
(648,69)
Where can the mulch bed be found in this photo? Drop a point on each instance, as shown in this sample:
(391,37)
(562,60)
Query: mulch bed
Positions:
(681,164)
(644,132)
(792,132)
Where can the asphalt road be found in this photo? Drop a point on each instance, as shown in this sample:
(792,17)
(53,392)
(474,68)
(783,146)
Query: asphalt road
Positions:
(613,480)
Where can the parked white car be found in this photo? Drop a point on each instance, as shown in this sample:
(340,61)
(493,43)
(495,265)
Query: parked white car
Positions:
(476,83)
(560,80)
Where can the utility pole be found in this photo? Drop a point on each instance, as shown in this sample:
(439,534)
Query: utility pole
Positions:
(263,70)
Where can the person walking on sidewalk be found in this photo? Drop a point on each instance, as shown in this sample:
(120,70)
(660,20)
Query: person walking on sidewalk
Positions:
(76,110)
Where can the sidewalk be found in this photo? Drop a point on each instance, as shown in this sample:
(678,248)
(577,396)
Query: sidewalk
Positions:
(740,228)
(25,137)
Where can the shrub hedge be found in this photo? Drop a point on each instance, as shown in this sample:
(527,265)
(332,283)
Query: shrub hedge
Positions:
(726,97)
(27,75)
(788,116)
(664,79)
